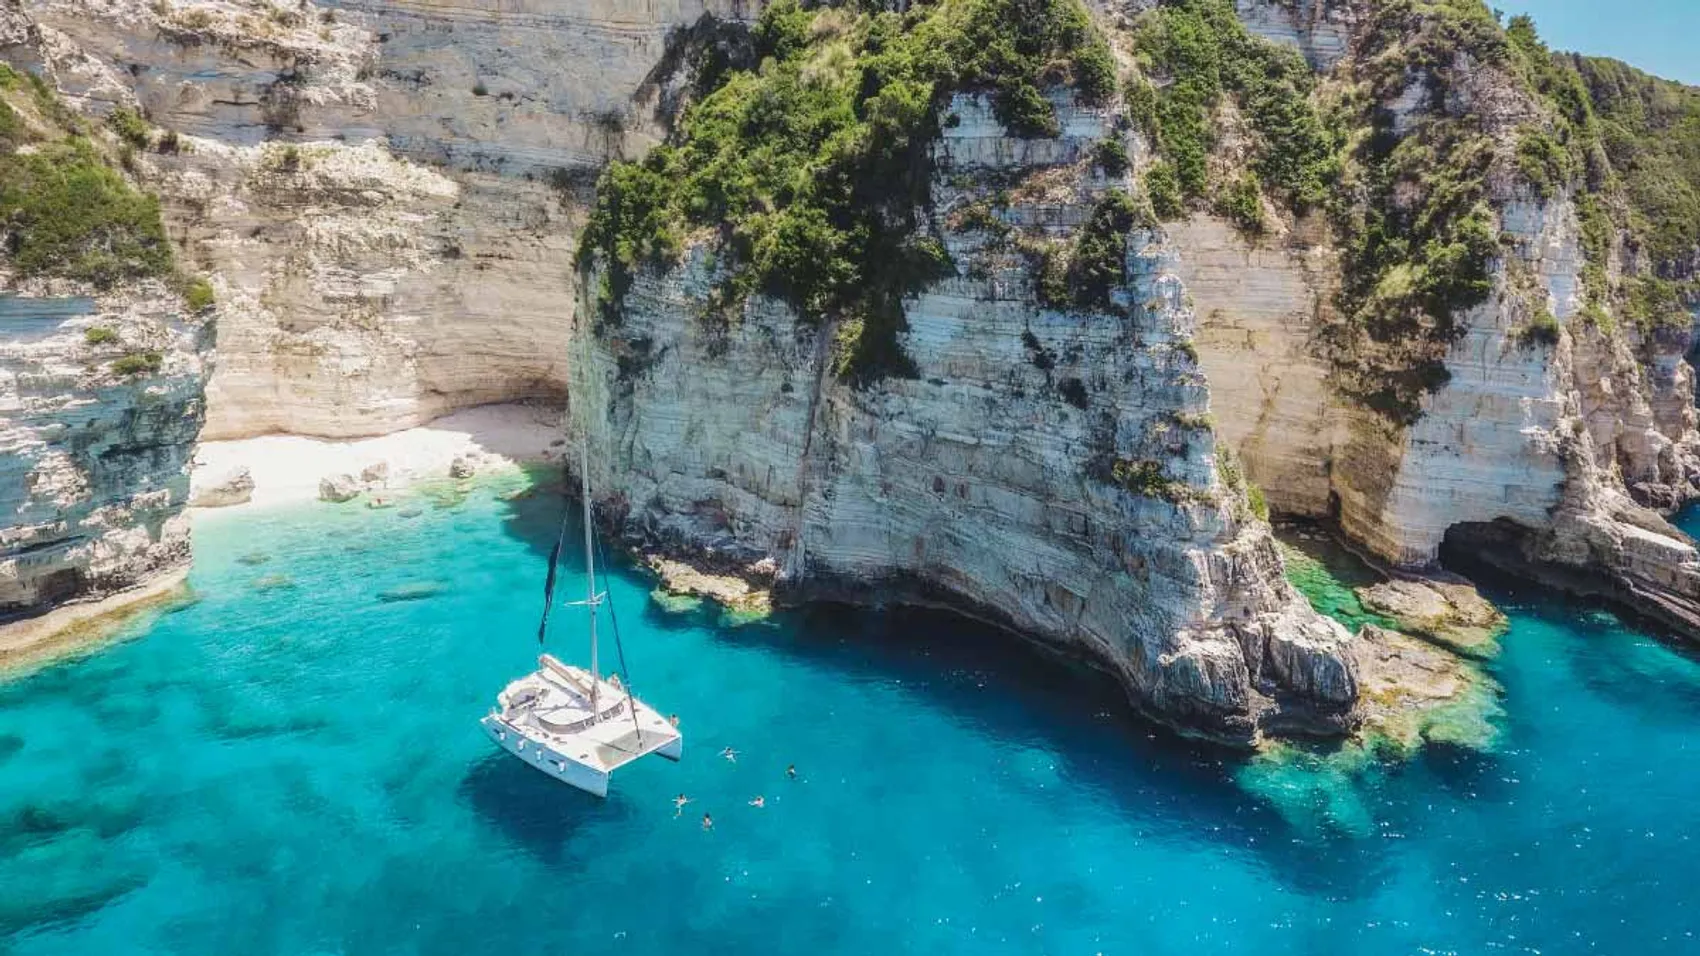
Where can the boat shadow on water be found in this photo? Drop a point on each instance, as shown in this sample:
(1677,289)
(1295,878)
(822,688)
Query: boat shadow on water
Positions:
(532,811)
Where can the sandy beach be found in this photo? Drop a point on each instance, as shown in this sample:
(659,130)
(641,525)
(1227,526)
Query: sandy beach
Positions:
(288,468)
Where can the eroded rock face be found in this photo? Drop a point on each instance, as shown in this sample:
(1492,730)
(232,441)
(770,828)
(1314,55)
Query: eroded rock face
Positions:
(1558,443)
(384,190)
(94,451)
(986,483)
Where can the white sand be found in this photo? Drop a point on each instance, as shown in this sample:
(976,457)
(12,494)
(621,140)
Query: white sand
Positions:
(287,468)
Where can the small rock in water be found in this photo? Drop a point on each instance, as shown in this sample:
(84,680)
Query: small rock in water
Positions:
(413,591)
(410,512)
(377,471)
(273,582)
(253,558)
(377,501)
(462,467)
(338,488)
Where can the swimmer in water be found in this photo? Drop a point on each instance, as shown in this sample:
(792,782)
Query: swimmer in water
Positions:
(759,801)
(679,805)
(791,771)
(707,822)
(730,754)
(673,719)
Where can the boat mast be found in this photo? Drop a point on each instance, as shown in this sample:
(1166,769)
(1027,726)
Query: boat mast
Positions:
(590,568)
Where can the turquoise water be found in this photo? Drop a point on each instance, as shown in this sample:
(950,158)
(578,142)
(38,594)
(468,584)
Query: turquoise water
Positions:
(293,765)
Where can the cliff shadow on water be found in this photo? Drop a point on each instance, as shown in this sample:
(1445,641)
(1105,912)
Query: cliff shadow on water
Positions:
(1636,660)
(1303,816)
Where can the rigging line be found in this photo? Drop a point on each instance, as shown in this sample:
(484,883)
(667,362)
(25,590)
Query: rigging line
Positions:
(549,583)
(619,648)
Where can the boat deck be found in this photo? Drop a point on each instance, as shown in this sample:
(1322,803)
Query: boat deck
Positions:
(552,706)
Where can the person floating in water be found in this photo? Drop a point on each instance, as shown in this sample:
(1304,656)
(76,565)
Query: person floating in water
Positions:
(730,754)
(791,771)
(679,805)
(673,719)
(707,822)
(759,801)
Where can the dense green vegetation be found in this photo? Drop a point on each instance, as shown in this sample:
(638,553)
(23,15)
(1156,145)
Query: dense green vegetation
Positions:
(1203,54)
(1648,132)
(64,210)
(1630,144)
(1417,233)
(100,335)
(813,166)
(67,213)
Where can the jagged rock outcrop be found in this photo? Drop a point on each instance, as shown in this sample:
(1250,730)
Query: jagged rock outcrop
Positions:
(94,459)
(992,481)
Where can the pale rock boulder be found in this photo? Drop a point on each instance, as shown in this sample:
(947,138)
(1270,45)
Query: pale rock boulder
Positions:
(233,487)
(339,488)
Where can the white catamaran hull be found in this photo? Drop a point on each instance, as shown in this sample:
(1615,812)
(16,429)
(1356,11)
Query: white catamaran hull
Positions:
(541,757)
(558,765)
(551,720)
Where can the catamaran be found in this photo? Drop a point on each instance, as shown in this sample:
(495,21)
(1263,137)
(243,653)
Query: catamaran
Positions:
(572,724)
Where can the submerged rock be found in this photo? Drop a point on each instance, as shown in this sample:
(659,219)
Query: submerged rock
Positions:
(1447,610)
(673,603)
(743,602)
(414,591)
(462,467)
(273,582)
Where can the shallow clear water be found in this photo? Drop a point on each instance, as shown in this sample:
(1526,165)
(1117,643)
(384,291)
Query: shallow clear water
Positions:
(293,765)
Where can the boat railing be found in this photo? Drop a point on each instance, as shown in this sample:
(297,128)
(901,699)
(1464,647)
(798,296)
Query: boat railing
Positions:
(580,724)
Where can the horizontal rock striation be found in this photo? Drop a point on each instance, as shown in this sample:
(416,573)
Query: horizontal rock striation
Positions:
(94,461)
(1535,446)
(986,483)
(409,256)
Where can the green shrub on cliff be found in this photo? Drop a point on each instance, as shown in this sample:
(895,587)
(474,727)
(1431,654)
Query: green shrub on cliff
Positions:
(1418,234)
(138,363)
(198,294)
(813,169)
(64,210)
(1099,263)
(67,213)
(1206,55)
(130,127)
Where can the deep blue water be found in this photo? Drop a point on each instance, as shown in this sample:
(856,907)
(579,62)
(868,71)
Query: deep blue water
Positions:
(293,765)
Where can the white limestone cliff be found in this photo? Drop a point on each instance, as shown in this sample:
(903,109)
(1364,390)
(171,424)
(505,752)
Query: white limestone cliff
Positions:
(984,483)
(411,254)
(94,459)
